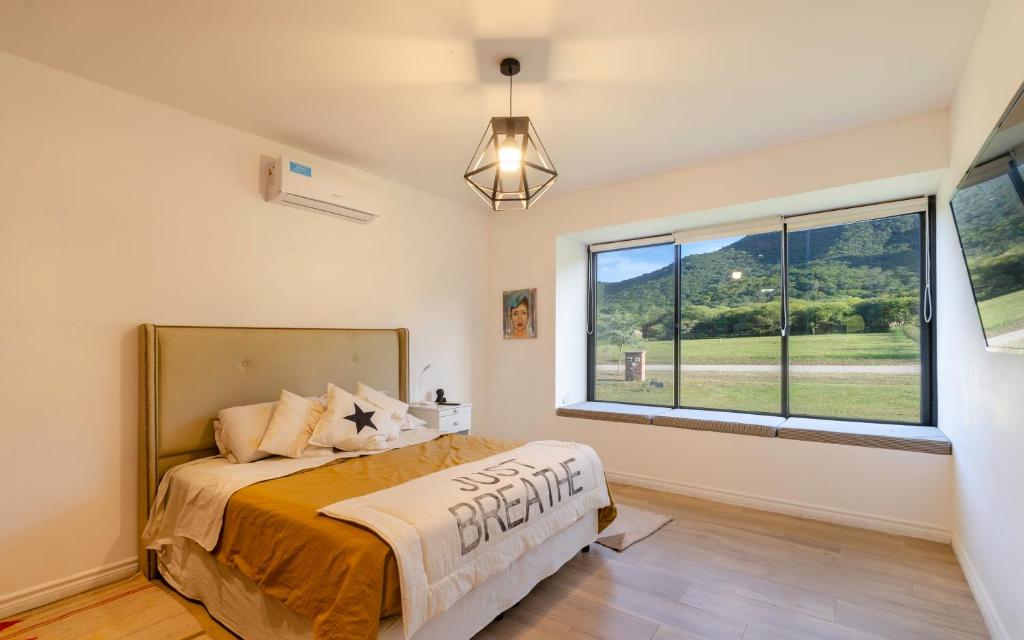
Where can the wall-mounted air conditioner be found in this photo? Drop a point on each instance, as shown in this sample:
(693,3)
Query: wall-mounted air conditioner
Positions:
(312,188)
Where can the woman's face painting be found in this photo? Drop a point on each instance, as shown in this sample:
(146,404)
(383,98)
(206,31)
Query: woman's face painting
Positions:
(520,316)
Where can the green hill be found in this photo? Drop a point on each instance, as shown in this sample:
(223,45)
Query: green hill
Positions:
(990,220)
(862,276)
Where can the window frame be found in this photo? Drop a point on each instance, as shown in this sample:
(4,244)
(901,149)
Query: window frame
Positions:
(926,296)
(612,247)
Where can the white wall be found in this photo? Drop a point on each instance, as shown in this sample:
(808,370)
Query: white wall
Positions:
(981,405)
(116,211)
(543,249)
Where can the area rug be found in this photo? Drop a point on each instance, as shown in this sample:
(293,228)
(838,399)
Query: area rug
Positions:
(631,526)
(133,609)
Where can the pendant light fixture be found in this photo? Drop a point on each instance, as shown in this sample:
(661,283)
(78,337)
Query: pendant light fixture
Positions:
(510,168)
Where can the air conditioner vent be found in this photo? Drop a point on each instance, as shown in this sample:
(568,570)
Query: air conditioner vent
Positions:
(311,188)
(356,215)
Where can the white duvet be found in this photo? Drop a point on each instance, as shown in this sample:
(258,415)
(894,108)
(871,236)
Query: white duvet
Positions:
(191,499)
(454,529)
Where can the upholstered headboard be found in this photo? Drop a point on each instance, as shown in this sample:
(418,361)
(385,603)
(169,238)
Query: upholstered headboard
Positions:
(188,374)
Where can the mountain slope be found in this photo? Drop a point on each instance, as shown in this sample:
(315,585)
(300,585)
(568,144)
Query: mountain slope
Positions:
(862,261)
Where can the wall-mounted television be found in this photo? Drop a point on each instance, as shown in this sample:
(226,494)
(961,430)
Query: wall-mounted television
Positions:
(988,207)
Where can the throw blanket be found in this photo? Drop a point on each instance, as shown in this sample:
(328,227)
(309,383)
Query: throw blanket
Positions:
(456,528)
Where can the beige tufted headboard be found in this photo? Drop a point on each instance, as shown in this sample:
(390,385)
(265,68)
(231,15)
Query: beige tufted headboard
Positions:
(188,374)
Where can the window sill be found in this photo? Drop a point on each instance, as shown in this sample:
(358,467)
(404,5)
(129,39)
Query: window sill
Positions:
(611,412)
(868,434)
(859,434)
(744,424)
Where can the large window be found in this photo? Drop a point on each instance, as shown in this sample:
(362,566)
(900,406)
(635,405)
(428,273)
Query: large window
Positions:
(821,315)
(634,290)
(855,320)
(730,353)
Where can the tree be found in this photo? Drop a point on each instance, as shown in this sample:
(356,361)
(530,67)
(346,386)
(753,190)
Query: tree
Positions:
(623,338)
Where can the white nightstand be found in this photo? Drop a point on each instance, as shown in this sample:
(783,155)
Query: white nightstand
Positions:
(445,417)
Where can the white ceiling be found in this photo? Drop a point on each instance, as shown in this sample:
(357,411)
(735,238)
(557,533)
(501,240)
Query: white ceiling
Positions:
(616,89)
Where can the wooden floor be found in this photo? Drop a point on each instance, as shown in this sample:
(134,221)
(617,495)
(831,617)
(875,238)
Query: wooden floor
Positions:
(719,571)
(716,571)
(134,609)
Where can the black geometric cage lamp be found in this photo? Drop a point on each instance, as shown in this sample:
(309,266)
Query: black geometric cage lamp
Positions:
(510,169)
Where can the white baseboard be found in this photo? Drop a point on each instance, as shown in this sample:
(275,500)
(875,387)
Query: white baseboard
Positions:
(787,507)
(46,593)
(996,628)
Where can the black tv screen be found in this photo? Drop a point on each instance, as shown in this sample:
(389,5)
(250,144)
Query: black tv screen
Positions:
(988,207)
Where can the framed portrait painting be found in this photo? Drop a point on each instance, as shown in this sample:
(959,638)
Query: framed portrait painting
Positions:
(520,314)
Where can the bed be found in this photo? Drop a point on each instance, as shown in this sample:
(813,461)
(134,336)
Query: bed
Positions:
(188,373)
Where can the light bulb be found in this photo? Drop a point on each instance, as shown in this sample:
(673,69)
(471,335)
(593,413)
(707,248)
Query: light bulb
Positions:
(509,156)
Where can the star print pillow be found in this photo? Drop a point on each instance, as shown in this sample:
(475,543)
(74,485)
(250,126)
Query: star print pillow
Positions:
(394,413)
(349,423)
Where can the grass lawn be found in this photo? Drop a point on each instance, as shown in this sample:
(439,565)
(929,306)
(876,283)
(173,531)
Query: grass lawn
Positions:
(610,389)
(861,396)
(837,348)
(874,396)
(1003,314)
(891,398)
(757,392)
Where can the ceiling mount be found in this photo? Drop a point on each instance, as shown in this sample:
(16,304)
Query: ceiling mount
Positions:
(509,67)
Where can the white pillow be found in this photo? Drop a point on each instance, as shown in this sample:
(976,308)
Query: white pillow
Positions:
(292,423)
(239,431)
(349,423)
(390,424)
(381,399)
(412,422)
(394,412)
